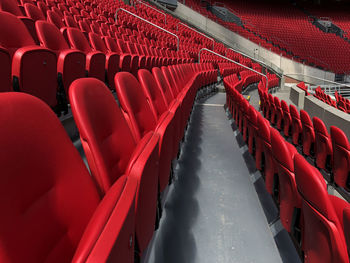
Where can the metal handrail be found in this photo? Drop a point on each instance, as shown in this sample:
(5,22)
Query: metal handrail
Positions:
(152,8)
(235,62)
(328,90)
(256,60)
(212,39)
(145,20)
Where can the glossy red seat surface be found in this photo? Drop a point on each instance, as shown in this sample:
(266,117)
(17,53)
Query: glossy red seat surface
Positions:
(112,152)
(323,145)
(323,216)
(139,115)
(51,209)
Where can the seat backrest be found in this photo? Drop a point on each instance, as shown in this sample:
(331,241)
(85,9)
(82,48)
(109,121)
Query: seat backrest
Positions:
(84,26)
(323,143)
(97,43)
(111,44)
(55,19)
(77,40)
(70,22)
(163,83)
(5,70)
(10,6)
(321,222)
(104,133)
(50,36)
(34,12)
(153,92)
(13,33)
(341,157)
(47,194)
(282,151)
(134,105)
(264,129)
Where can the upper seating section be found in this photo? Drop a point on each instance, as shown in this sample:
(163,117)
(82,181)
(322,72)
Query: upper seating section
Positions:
(286,30)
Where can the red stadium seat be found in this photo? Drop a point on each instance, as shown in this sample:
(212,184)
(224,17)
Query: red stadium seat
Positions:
(296,125)
(323,228)
(71,63)
(112,58)
(308,134)
(34,68)
(263,156)
(287,119)
(51,209)
(139,115)
(114,156)
(341,158)
(323,145)
(279,113)
(95,60)
(289,199)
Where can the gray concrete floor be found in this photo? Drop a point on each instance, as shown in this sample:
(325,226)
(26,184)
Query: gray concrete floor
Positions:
(212,211)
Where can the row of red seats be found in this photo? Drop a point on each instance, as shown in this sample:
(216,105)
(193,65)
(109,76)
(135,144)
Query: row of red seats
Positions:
(303,87)
(321,95)
(300,186)
(59,213)
(343,104)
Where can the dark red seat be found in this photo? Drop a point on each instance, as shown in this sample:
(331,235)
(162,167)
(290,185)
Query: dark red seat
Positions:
(279,113)
(323,145)
(112,58)
(141,120)
(308,134)
(34,12)
(287,119)
(125,62)
(323,228)
(289,199)
(341,158)
(51,209)
(5,70)
(71,63)
(134,58)
(263,155)
(158,105)
(296,125)
(252,128)
(113,154)
(34,68)
(95,60)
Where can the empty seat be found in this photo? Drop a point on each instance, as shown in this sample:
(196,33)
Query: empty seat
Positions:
(71,63)
(34,68)
(5,70)
(158,106)
(112,58)
(296,129)
(51,209)
(341,158)
(279,113)
(308,134)
(33,12)
(95,60)
(125,62)
(289,199)
(139,115)
(252,129)
(323,145)
(323,230)
(287,119)
(263,155)
(113,154)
